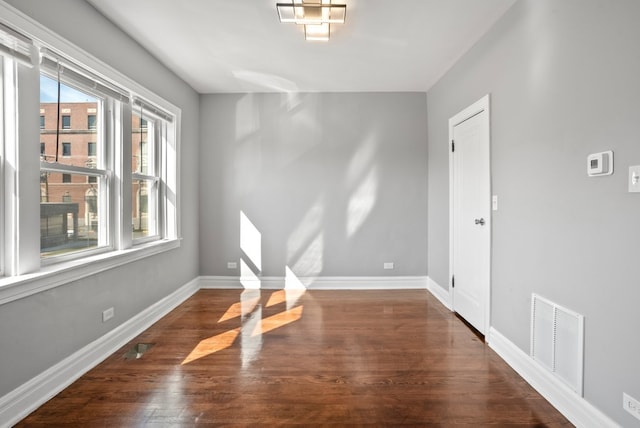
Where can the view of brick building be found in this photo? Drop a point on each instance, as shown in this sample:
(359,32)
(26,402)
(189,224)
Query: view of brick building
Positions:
(69,202)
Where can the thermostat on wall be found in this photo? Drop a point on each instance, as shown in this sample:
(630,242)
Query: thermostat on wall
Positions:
(600,164)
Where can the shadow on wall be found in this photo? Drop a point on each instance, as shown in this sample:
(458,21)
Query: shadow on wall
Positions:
(313,189)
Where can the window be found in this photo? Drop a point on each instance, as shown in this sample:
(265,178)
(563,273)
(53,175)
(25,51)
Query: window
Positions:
(91,121)
(71,223)
(66,149)
(145,177)
(80,204)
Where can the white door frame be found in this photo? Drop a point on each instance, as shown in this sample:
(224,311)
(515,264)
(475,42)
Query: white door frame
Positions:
(478,107)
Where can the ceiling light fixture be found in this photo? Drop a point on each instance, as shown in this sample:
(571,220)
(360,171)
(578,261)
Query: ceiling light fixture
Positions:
(316,16)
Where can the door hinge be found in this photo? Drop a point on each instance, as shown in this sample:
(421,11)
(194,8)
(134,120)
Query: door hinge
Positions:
(453,146)
(453,282)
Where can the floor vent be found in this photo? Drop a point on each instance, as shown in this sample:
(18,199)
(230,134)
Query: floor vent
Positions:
(137,351)
(557,341)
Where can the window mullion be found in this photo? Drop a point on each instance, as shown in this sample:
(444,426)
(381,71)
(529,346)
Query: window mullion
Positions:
(24,207)
(123,180)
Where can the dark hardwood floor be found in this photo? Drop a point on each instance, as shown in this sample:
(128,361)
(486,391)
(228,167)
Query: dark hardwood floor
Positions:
(269,358)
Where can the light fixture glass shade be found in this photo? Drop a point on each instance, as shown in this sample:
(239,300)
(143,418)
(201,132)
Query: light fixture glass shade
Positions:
(311,13)
(319,32)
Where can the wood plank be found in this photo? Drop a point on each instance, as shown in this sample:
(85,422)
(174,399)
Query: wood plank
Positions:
(329,357)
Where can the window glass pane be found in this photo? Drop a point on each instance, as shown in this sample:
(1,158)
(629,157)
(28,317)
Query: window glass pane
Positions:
(144,202)
(70,202)
(91,121)
(68,214)
(69,143)
(142,146)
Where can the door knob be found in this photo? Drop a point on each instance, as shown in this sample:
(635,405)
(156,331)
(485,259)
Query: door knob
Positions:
(480,221)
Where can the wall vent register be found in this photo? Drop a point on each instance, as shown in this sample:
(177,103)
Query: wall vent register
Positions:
(557,341)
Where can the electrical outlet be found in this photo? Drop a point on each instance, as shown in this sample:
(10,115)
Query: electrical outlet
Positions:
(107,314)
(388,265)
(232,265)
(631,405)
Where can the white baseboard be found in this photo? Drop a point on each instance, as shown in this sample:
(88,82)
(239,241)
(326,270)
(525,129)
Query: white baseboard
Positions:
(439,293)
(219,282)
(23,400)
(322,283)
(574,407)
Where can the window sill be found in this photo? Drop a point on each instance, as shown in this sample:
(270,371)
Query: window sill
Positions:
(48,277)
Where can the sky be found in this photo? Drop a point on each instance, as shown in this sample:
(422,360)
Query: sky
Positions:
(49,93)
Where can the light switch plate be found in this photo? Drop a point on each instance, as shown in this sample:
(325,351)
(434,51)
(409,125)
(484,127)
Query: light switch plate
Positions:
(634,179)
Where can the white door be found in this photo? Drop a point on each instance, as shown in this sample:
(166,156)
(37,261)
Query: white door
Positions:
(471,214)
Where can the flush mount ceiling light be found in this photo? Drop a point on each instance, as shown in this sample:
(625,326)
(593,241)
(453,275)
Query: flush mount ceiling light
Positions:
(315,15)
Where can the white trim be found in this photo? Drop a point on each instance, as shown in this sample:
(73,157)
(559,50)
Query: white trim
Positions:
(23,400)
(575,408)
(219,283)
(439,293)
(483,104)
(21,286)
(322,283)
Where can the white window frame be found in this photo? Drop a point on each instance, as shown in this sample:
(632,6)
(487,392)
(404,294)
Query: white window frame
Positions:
(3,102)
(23,270)
(104,172)
(156,130)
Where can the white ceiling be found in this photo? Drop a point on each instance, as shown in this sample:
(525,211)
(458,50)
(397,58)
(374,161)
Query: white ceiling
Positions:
(240,45)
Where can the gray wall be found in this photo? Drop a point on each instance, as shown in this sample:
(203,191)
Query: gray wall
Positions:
(334,183)
(564,83)
(39,331)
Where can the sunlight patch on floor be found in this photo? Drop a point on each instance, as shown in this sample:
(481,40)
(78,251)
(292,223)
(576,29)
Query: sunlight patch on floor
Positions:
(278,320)
(212,345)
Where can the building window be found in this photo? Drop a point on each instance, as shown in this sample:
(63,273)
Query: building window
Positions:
(92,179)
(91,148)
(91,121)
(66,178)
(66,122)
(43,147)
(66,149)
(41,121)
